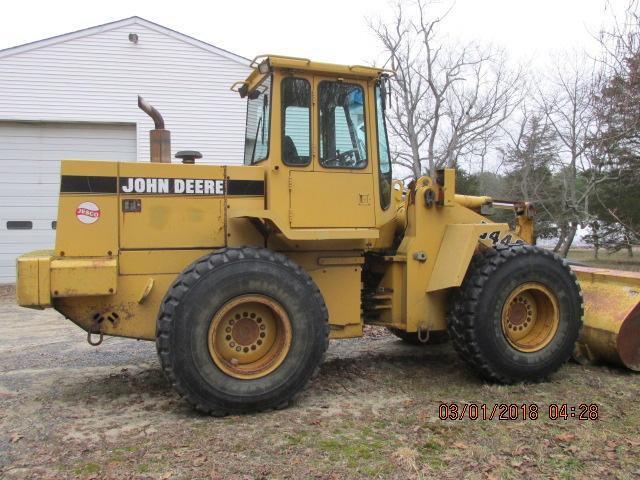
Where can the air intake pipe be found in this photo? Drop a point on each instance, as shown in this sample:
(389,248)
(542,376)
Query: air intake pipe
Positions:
(159,138)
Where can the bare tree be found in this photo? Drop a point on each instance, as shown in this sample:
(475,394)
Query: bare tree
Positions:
(409,120)
(449,100)
(529,151)
(568,104)
(621,40)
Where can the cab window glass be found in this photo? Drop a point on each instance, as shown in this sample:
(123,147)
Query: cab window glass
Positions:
(296,121)
(256,139)
(384,157)
(343,142)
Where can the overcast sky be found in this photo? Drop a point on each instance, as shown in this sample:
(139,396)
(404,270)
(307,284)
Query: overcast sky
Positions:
(329,30)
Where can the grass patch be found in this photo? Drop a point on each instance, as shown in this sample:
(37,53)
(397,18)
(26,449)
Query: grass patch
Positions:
(566,467)
(353,451)
(87,469)
(616,260)
(295,438)
(431,453)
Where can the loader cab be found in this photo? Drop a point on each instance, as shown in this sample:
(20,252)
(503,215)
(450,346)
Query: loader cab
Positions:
(319,132)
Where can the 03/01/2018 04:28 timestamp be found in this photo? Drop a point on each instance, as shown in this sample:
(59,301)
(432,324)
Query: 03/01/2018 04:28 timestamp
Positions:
(514,411)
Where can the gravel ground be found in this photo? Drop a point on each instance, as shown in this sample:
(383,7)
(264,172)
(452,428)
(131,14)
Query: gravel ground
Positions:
(69,410)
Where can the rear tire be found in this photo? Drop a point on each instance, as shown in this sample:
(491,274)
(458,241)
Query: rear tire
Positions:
(411,338)
(254,364)
(517,315)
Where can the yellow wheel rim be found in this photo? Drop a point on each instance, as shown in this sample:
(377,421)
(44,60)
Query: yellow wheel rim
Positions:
(530,317)
(249,337)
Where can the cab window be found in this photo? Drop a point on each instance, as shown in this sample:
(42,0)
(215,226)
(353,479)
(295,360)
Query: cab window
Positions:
(343,141)
(296,121)
(384,157)
(256,139)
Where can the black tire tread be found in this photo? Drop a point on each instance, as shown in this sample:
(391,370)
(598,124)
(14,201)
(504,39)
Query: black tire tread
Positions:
(461,317)
(190,277)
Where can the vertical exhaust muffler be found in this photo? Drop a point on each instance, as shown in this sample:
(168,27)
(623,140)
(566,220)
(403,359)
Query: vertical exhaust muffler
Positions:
(159,138)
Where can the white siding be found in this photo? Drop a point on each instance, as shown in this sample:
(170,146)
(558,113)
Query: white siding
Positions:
(30,156)
(97,77)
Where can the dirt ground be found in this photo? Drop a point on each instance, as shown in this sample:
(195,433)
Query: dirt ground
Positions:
(69,410)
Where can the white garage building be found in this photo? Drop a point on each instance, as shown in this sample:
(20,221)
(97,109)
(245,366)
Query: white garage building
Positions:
(75,97)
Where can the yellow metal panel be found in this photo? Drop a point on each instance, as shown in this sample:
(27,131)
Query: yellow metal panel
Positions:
(425,234)
(135,318)
(173,221)
(340,287)
(311,234)
(320,199)
(453,258)
(100,236)
(305,65)
(77,239)
(44,278)
(340,260)
(152,262)
(32,282)
(347,331)
(77,277)
(241,231)
(27,281)
(611,316)
(449,187)
(89,168)
(357,71)
(244,172)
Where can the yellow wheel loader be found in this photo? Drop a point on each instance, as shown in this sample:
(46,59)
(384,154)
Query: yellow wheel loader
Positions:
(242,273)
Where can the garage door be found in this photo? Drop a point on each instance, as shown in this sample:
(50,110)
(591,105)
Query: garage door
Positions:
(30,155)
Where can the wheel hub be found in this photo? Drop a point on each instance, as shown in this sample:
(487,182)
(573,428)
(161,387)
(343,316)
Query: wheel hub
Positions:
(518,314)
(249,336)
(530,317)
(245,331)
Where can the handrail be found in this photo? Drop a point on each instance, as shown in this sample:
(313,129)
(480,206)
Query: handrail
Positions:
(236,86)
(254,63)
(366,67)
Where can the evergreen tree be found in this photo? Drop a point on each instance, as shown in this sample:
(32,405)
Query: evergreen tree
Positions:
(617,145)
(529,163)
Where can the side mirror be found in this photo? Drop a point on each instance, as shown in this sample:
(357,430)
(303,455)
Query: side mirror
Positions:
(383,93)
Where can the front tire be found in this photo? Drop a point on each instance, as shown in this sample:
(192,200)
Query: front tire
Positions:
(241,330)
(517,315)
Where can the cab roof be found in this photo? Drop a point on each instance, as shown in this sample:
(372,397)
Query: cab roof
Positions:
(263,64)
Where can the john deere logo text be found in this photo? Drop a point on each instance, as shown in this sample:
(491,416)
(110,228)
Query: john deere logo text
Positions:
(171,186)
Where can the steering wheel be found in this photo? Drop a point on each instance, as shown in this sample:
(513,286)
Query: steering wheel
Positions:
(348,158)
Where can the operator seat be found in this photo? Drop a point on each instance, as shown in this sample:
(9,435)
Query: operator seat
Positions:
(289,151)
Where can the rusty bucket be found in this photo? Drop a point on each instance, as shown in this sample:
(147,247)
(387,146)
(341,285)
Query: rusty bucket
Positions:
(611,331)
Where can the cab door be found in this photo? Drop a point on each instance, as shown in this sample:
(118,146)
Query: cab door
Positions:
(338,191)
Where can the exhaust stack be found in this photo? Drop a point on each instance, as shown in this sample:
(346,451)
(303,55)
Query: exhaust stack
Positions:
(159,138)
